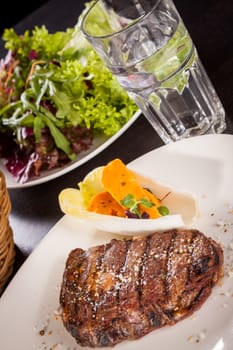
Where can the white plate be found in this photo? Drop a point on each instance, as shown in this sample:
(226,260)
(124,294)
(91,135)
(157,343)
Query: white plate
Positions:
(204,165)
(99,144)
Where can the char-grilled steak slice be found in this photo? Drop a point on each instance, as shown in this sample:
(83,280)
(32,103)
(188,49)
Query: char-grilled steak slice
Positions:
(125,289)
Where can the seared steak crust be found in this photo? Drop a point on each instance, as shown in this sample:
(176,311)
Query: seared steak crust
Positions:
(124,289)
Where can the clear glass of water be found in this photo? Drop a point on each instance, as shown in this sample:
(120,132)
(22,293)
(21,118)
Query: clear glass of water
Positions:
(147,47)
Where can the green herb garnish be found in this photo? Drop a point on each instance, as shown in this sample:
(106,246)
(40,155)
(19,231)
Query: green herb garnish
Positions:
(163,210)
(130,202)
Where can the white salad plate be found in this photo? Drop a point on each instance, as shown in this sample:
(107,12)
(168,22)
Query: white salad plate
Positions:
(99,144)
(29,307)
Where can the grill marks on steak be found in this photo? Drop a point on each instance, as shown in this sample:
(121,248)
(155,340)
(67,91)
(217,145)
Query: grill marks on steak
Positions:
(127,288)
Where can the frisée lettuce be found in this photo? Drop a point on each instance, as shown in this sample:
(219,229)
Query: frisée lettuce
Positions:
(55,96)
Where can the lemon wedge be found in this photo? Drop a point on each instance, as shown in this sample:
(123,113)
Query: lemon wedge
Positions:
(74,201)
(71,202)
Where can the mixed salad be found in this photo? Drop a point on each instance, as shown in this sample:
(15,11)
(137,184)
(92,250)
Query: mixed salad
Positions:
(56,95)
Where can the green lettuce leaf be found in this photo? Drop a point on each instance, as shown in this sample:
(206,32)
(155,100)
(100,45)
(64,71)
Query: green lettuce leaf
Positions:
(61,69)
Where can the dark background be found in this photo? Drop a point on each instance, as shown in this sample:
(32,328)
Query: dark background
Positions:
(13,13)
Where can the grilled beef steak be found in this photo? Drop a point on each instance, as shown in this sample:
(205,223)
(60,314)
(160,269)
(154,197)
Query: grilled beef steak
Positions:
(125,289)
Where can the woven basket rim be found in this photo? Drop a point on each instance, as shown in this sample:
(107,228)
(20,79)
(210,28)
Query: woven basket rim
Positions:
(7,249)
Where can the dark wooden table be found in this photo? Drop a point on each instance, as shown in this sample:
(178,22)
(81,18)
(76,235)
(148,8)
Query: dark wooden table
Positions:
(35,210)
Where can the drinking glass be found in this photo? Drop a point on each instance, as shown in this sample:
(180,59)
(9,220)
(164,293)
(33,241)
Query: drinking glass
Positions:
(147,47)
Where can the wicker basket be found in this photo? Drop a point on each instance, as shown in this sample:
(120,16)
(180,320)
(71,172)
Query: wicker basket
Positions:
(7,251)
